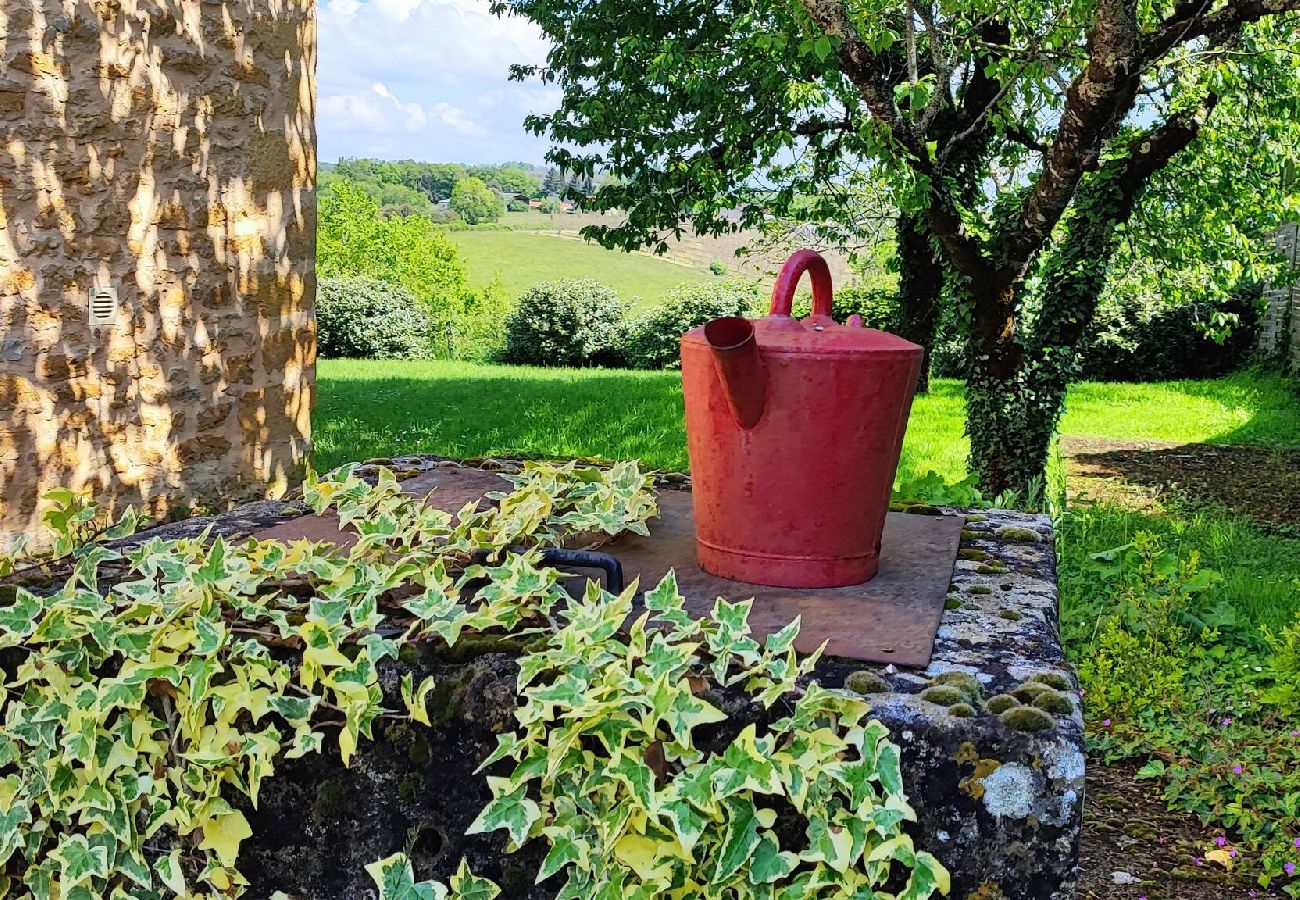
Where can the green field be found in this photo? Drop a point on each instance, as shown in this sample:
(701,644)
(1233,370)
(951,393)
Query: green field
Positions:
(522,259)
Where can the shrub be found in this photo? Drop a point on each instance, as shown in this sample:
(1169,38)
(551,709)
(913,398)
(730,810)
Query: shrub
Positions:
(652,340)
(718,267)
(878,308)
(479,328)
(565,323)
(1137,337)
(475,201)
(355,239)
(365,318)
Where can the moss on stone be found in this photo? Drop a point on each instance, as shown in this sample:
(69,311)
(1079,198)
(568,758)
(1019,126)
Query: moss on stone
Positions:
(979,589)
(970,553)
(952,603)
(1010,615)
(963,681)
(472,646)
(1026,718)
(1000,703)
(922,509)
(410,786)
(993,568)
(1024,535)
(943,695)
(968,535)
(1054,702)
(330,796)
(961,710)
(976,517)
(1028,691)
(1053,680)
(408,654)
(864,681)
(419,754)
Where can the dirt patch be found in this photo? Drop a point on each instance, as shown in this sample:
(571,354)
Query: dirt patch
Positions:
(1133,847)
(1260,483)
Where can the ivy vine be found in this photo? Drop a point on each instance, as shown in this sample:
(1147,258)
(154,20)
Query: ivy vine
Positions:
(134,711)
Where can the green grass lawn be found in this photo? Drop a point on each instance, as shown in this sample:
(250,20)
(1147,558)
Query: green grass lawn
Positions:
(370,408)
(522,259)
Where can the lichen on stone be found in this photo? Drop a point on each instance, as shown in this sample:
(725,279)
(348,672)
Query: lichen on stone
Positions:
(1009,791)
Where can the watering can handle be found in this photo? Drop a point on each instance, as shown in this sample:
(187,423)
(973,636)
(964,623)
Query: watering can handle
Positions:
(809,261)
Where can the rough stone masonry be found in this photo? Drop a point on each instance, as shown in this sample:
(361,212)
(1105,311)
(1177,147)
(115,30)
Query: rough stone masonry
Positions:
(991,732)
(166,150)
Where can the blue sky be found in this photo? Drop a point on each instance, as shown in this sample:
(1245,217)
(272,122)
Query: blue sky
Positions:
(426,79)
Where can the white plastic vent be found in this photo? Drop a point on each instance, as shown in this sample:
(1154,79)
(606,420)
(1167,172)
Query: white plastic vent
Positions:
(103,305)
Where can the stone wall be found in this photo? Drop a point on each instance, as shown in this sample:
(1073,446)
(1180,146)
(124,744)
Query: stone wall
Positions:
(1279,329)
(165,148)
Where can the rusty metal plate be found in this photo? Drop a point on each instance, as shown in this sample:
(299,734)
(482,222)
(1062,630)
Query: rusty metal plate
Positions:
(448,488)
(890,619)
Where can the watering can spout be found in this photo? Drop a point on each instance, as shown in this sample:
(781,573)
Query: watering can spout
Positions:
(740,367)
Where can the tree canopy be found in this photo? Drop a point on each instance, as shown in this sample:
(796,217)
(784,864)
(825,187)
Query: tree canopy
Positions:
(475,202)
(1022,144)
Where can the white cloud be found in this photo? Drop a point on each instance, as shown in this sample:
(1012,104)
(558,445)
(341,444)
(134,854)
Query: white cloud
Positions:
(426,79)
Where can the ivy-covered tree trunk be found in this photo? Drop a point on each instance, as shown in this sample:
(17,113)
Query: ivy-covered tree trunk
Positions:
(920,286)
(1016,387)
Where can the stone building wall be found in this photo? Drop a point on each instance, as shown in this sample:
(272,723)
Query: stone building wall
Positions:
(165,148)
(1279,329)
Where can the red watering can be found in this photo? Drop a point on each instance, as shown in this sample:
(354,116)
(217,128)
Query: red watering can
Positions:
(794,429)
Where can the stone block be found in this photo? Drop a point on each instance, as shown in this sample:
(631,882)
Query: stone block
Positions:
(991,734)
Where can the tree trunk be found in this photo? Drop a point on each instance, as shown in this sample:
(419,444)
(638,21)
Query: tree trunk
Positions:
(920,284)
(1016,389)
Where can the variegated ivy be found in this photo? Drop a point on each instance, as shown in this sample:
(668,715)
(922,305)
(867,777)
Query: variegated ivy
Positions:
(132,715)
(608,769)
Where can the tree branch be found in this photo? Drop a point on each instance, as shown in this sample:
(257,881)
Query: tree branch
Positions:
(1096,101)
(1190,20)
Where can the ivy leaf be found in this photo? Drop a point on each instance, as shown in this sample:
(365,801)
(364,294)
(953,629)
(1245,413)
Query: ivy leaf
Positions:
(468,886)
(396,880)
(510,810)
(740,839)
(416,699)
(565,851)
(770,864)
(223,833)
(78,861)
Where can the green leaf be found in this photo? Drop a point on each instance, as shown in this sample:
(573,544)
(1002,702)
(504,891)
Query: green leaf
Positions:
(467,886)
(740,838)
(510,810)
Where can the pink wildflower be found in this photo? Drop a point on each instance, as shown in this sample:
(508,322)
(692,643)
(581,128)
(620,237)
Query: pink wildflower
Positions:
(1220,841)
(1236,770)
(1289,868)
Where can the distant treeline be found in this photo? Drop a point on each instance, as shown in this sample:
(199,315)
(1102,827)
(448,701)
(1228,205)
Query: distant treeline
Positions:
(407,187)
